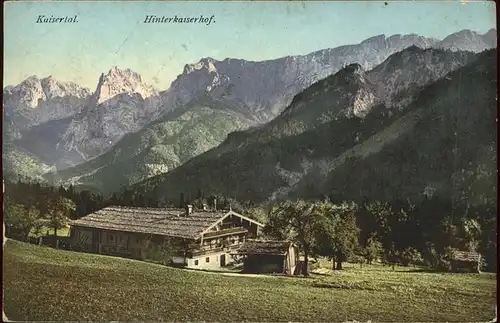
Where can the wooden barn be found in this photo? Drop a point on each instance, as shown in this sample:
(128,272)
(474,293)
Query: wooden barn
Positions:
(267,256)
(194,238)
(465,261)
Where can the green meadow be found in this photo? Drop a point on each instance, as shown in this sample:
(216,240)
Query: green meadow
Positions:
(44,284)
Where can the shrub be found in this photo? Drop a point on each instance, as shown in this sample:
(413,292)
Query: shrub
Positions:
(159,254)
(410,256)
(444,260)
(357,259)
(373,249)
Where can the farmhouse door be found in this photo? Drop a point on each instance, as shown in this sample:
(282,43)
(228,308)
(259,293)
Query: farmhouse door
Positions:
(222,260)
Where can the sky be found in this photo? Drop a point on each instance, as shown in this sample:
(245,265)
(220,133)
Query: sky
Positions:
(113,33)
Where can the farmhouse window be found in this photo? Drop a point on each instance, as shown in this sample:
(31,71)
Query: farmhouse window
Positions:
(110,237)
(207,259)
(196,262)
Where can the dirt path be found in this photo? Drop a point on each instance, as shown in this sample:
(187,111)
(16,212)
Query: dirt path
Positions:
(236,274)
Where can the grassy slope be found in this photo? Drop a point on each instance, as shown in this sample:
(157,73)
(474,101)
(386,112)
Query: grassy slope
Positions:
(45,284)
(164,144)
(21,163)
(455,133)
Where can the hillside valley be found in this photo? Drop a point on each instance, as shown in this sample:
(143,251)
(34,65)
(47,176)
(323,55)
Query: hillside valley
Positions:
(252,161)
(333,151)
(255,91)
(81,134)
(165,144)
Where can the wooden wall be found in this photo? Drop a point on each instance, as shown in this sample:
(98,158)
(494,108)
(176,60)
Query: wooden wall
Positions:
(292,257)
(283,264)
(234,221)
(261,264)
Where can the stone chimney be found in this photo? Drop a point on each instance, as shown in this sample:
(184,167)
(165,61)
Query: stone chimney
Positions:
(189,209)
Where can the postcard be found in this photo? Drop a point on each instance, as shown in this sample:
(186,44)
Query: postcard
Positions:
(250,161)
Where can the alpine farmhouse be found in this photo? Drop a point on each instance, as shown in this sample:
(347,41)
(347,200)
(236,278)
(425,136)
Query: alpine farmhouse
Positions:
(196,239)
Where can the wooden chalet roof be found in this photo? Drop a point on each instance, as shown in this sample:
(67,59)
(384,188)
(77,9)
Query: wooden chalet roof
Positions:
(466,256)
(161,221)
(264,247)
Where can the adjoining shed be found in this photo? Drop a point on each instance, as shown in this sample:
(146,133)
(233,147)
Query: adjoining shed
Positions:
(466,261)
(269,256)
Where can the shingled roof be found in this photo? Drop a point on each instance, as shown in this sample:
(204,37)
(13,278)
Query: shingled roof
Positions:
(161,221)
(264,247)
(466,256)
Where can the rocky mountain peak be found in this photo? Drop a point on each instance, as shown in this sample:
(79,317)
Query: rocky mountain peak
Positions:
(409,70)
(346,93)
(118,81)
(206,63)
(33,79)
(491,32)
(352,73)
(117,73)
(375,40)
(354,68)
(490,38)
(33,90)
(38,100)
(468,40)
(404,56)
(53,88)
(462,35)
(50,78)
(198,79)
(29,92)
(363,96)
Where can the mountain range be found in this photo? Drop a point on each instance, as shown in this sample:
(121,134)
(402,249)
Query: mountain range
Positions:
(336,135)
(126,131)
